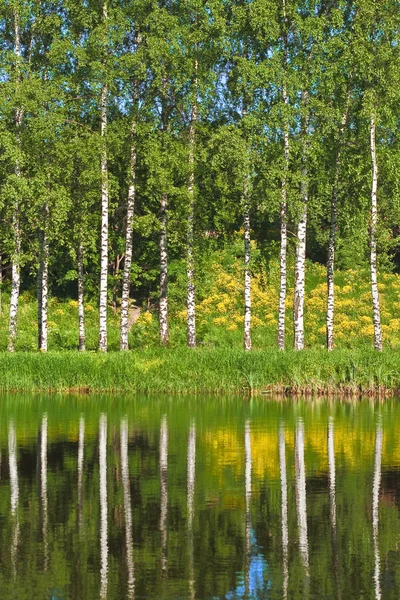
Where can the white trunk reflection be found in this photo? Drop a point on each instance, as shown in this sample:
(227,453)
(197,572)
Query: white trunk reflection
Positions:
(375,510)
(284,509)
(247,452)
(43,487)
(81,448)
(103,506)
(332,473)
(14,489)
(301,503)
(127,507)
(164,492)
(191,479)
(332,502)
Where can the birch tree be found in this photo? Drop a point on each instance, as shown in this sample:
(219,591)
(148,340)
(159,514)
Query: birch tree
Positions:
(103,302)
(300,259)
(16,259)
(130,204)
(190,296)
(283,206)
(376,311)
(330,309)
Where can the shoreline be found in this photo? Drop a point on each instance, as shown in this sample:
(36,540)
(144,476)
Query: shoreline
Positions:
(211,371)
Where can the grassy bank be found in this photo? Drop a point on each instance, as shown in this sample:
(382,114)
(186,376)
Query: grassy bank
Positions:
(215,371)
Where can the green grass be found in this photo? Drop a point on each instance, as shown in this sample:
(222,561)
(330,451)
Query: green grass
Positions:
(211,371)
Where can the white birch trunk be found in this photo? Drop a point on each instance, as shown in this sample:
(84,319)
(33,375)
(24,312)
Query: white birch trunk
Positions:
(247,274)
(81,299)
(15,282)
(164,493)
(43,488)
(301,497)
(283,247)
(191,480)
(16,258)
(163,316)
(164,328)
(284,510)
(104,215)
(130,208)
(247,252)
(332,239)
(300,260)
(376,312)
(43,285)
(247,477)
(190,293)
(127,507)
(283,209)
(103,507)
(81,450)
(14,489)
(375,510)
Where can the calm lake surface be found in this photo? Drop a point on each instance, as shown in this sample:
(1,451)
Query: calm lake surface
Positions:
(198,498)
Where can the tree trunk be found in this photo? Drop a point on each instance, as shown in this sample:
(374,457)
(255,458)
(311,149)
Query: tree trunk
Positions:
(128,243)
(81,303)
(284,510)
(247,252)
(283,248)
(163,316)
(374,219)
(127,507)
(15,282)
(103,507)
(375,510)
(332,239)
(190,295)
(300,259)
(43,285)
(104,216)
(16,258)
(247,274)
(283,209)
(164,329)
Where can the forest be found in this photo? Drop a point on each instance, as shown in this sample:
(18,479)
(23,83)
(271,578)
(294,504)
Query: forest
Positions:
(163,159)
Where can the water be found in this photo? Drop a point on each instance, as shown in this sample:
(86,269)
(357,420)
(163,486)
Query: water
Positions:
(198,499)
